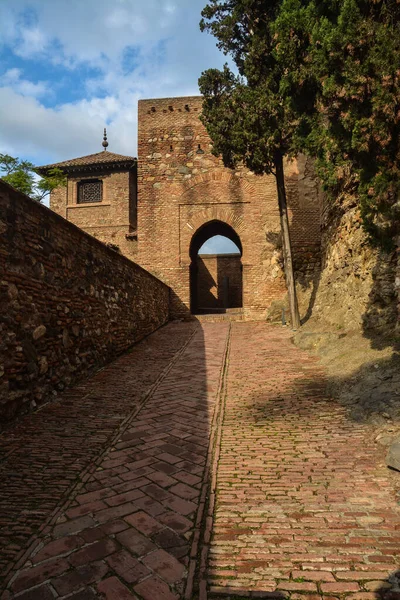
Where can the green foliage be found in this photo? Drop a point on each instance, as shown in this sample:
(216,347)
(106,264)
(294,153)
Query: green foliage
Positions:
(17,173)
(266,111)
(316,76)
(356,59)
(22,176)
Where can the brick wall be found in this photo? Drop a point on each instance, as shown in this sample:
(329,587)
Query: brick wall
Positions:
(114,219)
(212,292)
(68,304)
(182,186)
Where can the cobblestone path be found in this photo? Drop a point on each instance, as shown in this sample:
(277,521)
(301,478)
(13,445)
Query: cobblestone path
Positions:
(304,502)
(205,445)
(125,530)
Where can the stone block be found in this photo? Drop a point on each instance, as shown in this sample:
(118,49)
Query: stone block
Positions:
(393,456)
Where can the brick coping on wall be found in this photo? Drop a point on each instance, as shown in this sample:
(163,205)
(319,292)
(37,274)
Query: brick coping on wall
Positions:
(168,98)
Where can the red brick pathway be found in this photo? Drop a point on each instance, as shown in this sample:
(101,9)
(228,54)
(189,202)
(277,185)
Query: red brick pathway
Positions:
(304,506)
(126,530)
(42,456)
(304,503)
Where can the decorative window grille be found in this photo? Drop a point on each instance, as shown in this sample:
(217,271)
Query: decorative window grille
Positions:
(90,191)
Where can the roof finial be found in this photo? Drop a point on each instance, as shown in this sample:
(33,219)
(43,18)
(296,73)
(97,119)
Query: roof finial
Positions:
(105,143)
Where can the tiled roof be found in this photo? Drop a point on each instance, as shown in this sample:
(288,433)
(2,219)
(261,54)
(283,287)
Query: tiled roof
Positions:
(99,159)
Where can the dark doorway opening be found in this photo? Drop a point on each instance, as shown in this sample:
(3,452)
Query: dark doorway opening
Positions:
(216,279)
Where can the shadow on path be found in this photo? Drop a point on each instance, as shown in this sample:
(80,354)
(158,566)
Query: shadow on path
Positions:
(132,443)
(304,503)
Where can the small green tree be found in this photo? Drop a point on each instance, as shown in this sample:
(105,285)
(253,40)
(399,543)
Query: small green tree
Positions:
(265,112)
(21,175)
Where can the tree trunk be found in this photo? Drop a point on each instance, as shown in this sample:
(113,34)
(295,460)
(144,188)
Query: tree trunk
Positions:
(287,248)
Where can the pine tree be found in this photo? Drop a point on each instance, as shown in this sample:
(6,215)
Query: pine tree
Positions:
(314,76)
(264,113)
(355,48)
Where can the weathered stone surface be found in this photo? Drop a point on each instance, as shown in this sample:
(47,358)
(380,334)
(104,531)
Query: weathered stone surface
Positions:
(393,456)
(43,364)
(39,332)
(12,291)
(68,304)
(356,289)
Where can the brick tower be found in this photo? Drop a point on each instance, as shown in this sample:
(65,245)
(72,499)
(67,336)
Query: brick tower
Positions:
(186,196)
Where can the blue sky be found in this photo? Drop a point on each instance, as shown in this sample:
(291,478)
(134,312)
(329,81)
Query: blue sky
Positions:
(70,67)
(219,244)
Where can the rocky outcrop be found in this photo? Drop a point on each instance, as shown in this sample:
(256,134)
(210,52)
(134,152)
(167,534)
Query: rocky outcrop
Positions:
(356,289)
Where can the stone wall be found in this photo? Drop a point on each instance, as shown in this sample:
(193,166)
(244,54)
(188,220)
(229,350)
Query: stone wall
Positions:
(68,304)
(397,281)
(182,187)
(212,269)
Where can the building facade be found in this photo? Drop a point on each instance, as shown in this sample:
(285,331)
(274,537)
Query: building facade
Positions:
(160,209)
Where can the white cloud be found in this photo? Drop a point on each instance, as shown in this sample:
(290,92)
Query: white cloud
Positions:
(32,41)
(168,50)
(90,29)
(13,78)
(53,134)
